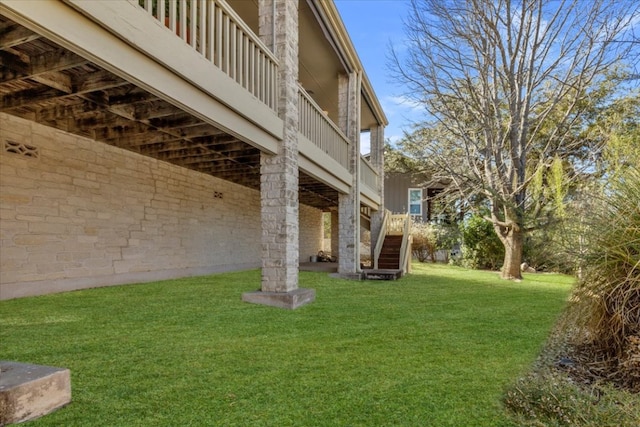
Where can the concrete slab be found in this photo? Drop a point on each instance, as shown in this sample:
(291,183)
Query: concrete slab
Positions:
(31,391)
(289,300)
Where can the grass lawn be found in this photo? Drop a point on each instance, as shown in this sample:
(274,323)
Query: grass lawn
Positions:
(436,348)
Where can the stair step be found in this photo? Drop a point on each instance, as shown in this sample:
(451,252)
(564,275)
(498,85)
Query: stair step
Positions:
(382,274)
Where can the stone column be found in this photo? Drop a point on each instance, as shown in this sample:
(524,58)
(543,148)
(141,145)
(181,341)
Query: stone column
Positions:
(279,173)
(349,204)
(377,161)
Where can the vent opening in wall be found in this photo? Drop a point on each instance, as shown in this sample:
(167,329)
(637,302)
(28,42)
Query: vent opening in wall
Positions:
(22,149)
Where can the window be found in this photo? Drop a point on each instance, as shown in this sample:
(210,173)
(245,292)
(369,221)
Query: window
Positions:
(415,201)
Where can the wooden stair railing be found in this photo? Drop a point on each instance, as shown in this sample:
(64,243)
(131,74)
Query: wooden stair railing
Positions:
(393,248)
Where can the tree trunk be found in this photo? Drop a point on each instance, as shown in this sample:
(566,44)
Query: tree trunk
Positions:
(513,242)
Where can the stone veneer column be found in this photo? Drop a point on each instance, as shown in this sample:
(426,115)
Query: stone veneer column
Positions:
(349,204)
(377,161)
(279,173)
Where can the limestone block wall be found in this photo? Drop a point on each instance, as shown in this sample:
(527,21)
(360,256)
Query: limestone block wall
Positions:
(75,213)
(311,234)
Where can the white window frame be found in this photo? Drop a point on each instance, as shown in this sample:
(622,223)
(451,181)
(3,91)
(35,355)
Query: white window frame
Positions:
(418,203)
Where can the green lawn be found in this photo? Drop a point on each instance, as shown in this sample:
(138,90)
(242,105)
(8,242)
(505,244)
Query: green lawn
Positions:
(436,348)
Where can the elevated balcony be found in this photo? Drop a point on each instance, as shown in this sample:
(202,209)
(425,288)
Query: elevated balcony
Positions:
(187,82)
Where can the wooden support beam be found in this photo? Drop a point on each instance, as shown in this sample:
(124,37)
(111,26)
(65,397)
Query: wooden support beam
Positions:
(15,35)
(69,110)
(28,97)
(55,80)
(98,81)
(139,140)
(154,109)
(17,68)
(56,60)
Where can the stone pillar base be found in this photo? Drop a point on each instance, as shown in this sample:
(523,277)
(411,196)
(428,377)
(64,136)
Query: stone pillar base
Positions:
(289,300)
(31,391)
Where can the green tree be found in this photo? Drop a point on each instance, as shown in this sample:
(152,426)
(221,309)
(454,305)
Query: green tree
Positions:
(505,86)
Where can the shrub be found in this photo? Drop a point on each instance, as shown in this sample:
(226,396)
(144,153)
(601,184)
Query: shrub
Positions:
(428,239)
(606,302)
(481,246)
(424,245)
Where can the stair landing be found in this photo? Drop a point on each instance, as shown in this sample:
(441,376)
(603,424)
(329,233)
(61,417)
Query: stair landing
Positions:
(381,274)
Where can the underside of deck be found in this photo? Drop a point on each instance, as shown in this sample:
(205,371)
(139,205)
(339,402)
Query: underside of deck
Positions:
(46,83)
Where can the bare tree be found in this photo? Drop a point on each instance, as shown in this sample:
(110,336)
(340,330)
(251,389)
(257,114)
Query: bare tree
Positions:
(503,84)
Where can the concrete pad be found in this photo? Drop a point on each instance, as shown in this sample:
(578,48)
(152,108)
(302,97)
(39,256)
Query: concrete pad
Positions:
(31,391)
(289,300)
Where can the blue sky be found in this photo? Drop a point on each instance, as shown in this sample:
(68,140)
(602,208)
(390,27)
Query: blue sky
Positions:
(373,25)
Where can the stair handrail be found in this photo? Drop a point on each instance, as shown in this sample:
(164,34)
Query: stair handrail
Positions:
(405,244)
(381,235)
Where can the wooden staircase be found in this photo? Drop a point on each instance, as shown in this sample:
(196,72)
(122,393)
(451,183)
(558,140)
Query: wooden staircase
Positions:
(388,260)
(391,250)
(390,254)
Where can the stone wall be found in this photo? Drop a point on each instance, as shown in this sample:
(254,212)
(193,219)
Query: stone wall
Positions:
(311,232)
(76,213)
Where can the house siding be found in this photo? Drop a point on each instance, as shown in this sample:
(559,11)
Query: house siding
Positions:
(396,193)
(85,214)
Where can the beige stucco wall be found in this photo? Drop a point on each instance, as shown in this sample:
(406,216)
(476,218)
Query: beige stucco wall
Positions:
(86,214)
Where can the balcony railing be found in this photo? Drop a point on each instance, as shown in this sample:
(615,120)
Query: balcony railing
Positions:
(316,126)
(214,30)
(368,175)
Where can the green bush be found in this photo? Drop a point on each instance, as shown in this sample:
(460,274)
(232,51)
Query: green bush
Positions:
(481,246)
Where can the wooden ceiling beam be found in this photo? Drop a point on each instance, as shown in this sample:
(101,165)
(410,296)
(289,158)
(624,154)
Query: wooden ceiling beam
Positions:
(98,81)
(154,109)
(181,120)
(55,80)
(200,131)
(95,82)
(228,143)
(57,60)
(15,35)
(57,111)
(16,68)
(29,97)
(139,140)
